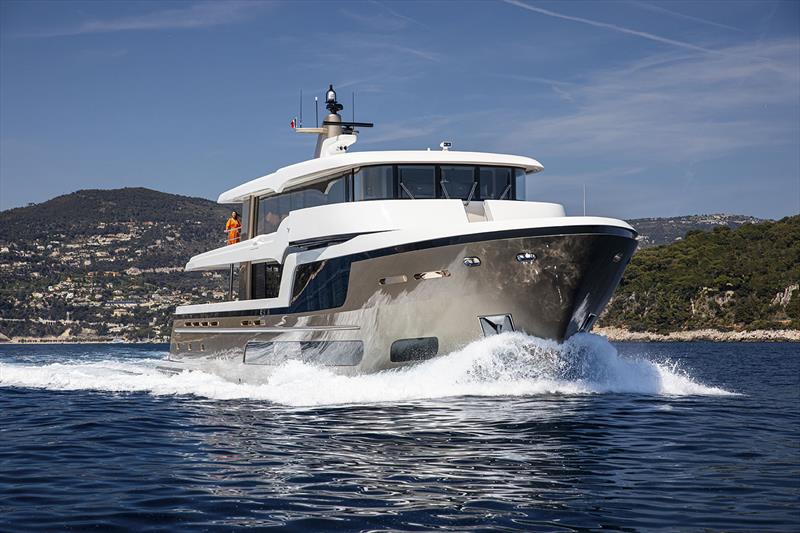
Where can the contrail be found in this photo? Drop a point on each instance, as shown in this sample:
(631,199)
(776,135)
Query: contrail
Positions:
(613,27)
(660,9)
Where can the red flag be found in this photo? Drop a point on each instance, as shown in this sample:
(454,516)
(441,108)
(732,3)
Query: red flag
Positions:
(292,123)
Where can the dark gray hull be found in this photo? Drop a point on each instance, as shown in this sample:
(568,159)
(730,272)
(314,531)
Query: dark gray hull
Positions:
(411,302)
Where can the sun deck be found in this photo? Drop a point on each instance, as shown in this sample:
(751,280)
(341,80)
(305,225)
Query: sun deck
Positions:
(312,170)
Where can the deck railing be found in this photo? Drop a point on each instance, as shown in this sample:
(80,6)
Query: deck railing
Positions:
(242,235)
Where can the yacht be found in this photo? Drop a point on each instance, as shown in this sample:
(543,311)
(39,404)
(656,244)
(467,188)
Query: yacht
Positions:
(365,261)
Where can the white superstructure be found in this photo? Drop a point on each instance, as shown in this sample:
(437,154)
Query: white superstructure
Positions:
(438,246)
(315,169)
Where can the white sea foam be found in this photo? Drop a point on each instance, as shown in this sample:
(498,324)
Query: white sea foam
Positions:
(504,365)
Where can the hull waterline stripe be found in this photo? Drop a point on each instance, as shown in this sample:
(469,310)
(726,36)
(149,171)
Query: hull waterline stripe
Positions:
(277,329)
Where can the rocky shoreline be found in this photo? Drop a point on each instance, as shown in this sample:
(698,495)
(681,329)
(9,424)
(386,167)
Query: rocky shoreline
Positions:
(713,335)
(90,340)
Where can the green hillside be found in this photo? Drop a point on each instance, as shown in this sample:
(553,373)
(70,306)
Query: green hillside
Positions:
(745,278)
(109,263)
(105,263)
(655,231)
(103,212)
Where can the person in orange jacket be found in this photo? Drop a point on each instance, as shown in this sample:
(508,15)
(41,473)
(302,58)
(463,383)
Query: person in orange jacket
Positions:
(232,226)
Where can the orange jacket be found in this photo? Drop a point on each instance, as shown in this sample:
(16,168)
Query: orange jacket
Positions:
(232,227)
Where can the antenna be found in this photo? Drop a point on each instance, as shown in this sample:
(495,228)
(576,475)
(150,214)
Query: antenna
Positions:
(353,108)
(301,108)
(316,112)
(584,199)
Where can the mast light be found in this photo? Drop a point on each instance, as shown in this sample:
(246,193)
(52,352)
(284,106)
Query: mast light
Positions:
(330,101)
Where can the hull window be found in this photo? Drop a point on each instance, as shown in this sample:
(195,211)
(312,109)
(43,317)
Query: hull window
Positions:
(392,280)
(407,350)
(327,353)
(320,285)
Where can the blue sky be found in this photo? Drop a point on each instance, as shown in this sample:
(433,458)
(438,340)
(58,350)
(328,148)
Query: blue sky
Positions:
(659,108)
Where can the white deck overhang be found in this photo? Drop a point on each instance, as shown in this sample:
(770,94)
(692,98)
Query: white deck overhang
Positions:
(313,169)
(388,239)
(354,221)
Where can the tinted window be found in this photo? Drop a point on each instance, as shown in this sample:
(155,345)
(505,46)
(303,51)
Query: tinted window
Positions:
(244,218)
(417,181)
(520,187)
(320,285)
(266,280)
(273,209)
(335,191)
(495,183)
(373,183)
(458,182)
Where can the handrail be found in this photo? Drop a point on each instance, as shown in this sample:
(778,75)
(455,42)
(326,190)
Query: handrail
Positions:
(239,238)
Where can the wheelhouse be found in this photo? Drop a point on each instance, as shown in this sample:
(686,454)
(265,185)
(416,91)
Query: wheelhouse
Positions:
(264,213)
(390,182)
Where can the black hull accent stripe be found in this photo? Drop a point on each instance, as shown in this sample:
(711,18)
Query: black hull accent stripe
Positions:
(336,271)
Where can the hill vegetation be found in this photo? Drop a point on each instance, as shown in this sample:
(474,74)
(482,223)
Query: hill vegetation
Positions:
(105,212)
(745,278)
(657,231)
(105,263)
(109,263)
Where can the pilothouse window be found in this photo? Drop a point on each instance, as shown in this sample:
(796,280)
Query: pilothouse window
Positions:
(417,182)
(458,182)
(520,186)
(374,183)
(379,182)
(495,183)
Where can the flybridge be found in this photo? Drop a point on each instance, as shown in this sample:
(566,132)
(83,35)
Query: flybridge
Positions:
(313,170)
(334,138)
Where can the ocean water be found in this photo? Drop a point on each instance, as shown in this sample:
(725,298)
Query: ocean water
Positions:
(511,433)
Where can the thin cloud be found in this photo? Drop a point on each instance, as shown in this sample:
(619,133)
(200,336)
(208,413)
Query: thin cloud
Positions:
(386,20)
(595,176)
(424,54)
(613,27)
(397,14)
(562,93)
(424,126)
(699,20)
(690,110)
(197,15)
(534,79)
(373,50)
(557,86)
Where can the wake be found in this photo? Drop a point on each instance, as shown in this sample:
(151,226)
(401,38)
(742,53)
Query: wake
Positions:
(511,364)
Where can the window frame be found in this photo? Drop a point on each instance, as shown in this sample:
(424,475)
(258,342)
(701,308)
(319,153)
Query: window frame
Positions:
(512,189)
(400,190)
(475,181)
(350,192)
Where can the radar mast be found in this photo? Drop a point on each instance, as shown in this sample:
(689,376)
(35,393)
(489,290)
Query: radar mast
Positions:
(335,135)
